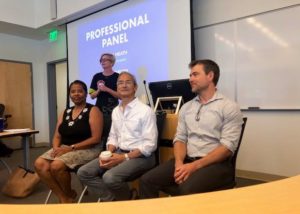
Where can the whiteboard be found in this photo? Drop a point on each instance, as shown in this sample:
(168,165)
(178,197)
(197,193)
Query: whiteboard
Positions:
(259,58)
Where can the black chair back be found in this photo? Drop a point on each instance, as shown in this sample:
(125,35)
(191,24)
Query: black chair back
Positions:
(2,109)
(4,116)
(106,129)
(232,184)
(160,120)
(234,157)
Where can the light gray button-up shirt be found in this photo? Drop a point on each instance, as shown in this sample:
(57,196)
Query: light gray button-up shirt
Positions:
(205,126)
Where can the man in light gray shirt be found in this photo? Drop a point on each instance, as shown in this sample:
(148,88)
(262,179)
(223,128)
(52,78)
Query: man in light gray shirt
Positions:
(208,132)
(132,141)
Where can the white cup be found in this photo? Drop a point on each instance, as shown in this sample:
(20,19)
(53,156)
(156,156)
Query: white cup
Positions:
(105,155)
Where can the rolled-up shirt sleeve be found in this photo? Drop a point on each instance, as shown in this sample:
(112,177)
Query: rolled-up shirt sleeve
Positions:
(149,134)
(231,130)
(181,131)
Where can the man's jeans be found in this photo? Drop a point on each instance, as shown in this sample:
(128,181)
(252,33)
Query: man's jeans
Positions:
(112,184)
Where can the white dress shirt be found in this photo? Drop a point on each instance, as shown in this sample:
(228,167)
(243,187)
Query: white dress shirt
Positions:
(134,128)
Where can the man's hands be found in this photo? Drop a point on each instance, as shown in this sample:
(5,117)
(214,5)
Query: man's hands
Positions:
(183,171)
(114,160)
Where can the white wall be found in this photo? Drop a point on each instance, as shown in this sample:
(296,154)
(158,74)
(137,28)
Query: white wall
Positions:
(42,13)
(65,8)
(271,140)
(216,11)
(36,13)
(271,143)
(47,52)
(27,50)
(17,12)
(38,53)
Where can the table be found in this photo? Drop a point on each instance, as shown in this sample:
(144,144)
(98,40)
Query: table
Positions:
(274,197)
(24,133)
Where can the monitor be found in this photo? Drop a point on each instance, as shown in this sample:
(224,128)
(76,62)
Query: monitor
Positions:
(171,88)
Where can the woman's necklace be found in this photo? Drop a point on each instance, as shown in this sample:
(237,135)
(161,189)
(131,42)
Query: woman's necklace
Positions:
(70,117)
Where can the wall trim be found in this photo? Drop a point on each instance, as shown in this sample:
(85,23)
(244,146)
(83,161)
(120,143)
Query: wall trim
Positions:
(41,144)
(258,175)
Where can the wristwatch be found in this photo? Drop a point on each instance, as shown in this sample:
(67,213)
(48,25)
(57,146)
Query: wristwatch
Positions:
(126,156)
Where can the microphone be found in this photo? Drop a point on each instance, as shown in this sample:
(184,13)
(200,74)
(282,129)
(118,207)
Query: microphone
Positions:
(147,92)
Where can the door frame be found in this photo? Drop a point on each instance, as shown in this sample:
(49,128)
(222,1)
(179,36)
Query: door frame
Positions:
(52,96)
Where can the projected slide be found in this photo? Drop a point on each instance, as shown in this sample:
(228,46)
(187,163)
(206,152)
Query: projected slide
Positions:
(137,35)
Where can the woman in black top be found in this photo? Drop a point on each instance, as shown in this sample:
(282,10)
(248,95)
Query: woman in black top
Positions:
(104,85)
(76,141)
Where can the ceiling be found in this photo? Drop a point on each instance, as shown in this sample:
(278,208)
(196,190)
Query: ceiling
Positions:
(27,32)
(41,33)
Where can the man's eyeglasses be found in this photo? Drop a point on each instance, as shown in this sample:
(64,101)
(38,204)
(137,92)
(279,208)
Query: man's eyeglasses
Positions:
(128,82)
(197,117)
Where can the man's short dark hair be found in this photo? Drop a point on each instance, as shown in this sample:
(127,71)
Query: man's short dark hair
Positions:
(209,66)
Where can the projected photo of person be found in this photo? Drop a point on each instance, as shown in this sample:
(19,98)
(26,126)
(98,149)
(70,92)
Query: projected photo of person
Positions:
(131,31)
(104,85)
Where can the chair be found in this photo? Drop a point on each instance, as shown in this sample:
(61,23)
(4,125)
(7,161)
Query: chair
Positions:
(4,116)
(4,150)
(232,160)
(50,191)
(2,108)
(232,184)
(105,133)
(106,129)
(160,118)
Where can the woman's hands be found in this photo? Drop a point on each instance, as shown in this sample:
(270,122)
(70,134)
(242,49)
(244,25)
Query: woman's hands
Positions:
(59,151)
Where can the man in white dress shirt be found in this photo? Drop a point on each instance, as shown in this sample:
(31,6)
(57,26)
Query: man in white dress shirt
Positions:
(132,141)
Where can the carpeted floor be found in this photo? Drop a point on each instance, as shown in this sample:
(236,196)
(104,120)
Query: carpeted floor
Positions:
(40,192)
